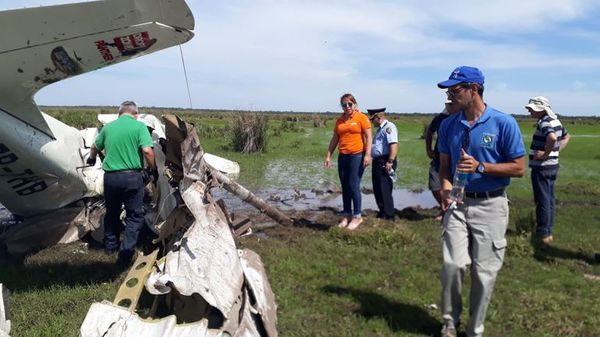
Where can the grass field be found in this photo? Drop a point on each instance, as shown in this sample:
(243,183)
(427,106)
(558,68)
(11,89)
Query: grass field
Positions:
(379,281)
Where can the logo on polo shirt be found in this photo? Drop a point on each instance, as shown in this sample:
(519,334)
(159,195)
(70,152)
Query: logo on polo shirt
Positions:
(487,140)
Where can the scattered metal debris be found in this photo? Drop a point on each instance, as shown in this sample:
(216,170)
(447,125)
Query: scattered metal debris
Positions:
(198,283)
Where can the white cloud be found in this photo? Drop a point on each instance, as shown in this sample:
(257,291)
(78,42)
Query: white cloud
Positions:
(301,55)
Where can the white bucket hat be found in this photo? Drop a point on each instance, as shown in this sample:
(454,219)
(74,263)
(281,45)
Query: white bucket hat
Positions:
(541,103)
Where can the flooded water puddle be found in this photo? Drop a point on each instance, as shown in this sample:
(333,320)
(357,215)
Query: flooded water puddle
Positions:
(304,185)
(302,200)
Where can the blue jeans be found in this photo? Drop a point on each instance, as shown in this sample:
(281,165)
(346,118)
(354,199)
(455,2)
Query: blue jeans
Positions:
(542,180)
(350,170)
(123,188)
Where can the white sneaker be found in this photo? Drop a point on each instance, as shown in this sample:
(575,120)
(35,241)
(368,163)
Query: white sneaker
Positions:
(448,331)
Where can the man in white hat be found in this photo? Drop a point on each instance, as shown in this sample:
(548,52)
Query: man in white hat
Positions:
(549,138)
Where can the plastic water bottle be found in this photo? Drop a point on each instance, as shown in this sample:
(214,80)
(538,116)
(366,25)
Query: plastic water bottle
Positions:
(458,185)
(393,175)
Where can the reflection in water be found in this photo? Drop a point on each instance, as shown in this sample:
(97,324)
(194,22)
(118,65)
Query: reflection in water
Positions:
(300,200)
(302,174)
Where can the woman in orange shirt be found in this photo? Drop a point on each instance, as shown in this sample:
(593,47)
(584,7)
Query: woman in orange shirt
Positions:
(352,132)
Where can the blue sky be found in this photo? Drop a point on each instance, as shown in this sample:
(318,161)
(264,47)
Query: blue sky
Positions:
(301,55)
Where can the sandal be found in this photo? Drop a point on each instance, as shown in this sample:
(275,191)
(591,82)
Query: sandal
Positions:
(343,223)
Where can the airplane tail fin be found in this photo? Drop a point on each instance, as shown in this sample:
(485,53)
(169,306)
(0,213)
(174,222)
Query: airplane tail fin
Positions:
(40,46)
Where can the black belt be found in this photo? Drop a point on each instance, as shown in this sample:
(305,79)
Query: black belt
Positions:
(484,195)
(124,171)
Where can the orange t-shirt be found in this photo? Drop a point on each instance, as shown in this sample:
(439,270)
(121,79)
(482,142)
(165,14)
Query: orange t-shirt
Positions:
(350,132)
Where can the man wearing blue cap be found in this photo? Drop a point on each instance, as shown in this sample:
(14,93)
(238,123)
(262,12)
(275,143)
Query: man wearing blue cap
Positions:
(384,151)
(486,147)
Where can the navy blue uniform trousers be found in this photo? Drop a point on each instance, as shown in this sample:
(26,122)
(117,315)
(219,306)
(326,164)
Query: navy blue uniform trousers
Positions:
(383,187)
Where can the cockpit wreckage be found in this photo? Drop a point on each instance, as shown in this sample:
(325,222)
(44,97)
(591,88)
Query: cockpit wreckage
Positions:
(198,282)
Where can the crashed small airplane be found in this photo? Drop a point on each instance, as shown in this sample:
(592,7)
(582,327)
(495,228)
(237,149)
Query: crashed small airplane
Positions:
(201,283)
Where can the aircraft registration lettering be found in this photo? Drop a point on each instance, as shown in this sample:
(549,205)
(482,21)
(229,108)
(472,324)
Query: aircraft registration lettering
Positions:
(104,51)
(25,183)
(127,45)
(6,157)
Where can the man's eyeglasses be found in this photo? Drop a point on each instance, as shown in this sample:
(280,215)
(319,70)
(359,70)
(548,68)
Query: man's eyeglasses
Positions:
(347,105)
(455,90)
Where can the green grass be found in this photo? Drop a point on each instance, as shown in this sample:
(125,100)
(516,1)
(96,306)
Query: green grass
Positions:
(378,281)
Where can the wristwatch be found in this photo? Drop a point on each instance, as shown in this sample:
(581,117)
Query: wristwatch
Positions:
(390,161)
(480,168)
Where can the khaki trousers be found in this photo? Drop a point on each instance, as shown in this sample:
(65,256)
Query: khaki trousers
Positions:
(473,234)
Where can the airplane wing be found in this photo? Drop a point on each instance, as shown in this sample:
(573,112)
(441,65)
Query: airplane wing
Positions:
(40,46)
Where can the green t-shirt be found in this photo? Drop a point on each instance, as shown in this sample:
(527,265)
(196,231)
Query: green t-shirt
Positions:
(123,140)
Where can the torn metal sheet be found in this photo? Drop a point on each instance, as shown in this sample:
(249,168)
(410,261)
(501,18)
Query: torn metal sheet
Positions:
(4,317)
(108,320)
(264,299)
(248,326)
(205,260)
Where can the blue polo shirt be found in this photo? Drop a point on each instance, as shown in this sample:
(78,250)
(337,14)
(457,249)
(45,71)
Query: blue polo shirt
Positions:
(494,138)
(386,134)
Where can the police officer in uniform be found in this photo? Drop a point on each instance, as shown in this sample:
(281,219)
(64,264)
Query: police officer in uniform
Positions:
(384,151)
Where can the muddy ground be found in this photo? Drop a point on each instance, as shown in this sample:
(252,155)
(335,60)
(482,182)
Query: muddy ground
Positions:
(325,217)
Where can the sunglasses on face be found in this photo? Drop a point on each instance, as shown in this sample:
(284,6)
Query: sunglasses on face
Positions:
(347,105)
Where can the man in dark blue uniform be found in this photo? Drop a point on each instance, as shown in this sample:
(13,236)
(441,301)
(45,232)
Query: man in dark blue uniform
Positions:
(384,151)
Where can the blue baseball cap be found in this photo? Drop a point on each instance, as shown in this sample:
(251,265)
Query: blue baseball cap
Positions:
(463,74)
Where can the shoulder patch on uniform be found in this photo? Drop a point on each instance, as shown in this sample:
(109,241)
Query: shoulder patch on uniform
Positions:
(388,130)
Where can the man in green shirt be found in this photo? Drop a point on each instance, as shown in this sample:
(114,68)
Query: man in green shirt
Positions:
(125,142)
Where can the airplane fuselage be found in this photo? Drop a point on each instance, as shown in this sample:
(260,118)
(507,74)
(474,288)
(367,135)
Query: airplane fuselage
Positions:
(38,173)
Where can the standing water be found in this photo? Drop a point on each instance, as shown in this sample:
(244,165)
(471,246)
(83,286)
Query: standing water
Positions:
(302,200)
